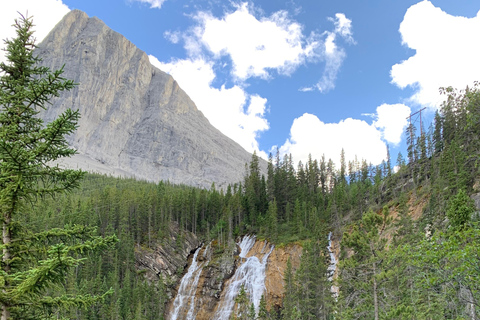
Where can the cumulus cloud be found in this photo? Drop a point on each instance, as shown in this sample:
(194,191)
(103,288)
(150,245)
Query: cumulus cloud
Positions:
(46,14)
(259,45)
(309,135)
(153,3)
(391,120)
(334,57)
(231,110)
(256,45)
(253,45)
(446,52)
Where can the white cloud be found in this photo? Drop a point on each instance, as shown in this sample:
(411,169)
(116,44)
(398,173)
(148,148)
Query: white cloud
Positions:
(334,57)
(46,14)
(306,89)
(391,120)
(224,107)
(153,3)
(173,37)
(343,27)
(333,54)
(256,46)
(447,52)
(309,135)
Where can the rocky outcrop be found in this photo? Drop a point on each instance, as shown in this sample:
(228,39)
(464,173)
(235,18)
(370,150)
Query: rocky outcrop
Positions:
(219,267)
(167,259)
(135,119)
(276,266)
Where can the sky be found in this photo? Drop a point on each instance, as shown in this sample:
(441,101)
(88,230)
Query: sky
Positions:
(306,77)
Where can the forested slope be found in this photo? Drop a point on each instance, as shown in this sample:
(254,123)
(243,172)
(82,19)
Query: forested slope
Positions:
(394,264)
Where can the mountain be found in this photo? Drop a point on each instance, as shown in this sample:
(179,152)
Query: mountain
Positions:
(135,119)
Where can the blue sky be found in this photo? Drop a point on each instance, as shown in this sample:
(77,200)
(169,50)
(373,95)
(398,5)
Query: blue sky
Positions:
(303,76)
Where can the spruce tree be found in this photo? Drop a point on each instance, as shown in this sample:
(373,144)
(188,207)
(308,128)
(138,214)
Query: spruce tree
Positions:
(32,263)
(262,310)
(290,294)
(359,283)
(460,210)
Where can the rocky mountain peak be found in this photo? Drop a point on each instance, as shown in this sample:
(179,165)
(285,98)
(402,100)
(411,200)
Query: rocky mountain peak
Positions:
(135,119)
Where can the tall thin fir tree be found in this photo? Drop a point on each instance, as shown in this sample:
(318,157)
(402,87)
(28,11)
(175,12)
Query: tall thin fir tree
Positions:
(32,263)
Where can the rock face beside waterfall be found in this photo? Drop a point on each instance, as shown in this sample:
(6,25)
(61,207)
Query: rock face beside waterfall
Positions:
(216,269)
(220,275)
(167,259)
(276,266)
(135,119)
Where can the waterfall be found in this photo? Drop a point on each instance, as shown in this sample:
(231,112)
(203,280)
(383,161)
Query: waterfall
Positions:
(185,299)
(250,274)
(333,260)
(333,265)
(245,245)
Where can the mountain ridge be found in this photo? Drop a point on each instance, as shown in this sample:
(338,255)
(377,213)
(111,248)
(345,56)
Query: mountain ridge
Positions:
(135,119)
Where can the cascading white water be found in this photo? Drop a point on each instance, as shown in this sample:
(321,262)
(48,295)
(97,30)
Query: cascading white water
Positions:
(333,265)
(186,292)
(333,260)
(245,245)
(250,274)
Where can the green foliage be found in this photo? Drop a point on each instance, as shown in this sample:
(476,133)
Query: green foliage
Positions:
(243,308)
(35,262)
(307,291)
(262,312)
(460,210)
(290,300)
(444,275)
(362,272)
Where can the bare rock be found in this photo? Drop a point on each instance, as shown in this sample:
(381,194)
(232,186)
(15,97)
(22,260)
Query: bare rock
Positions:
(167,259)
(135,118)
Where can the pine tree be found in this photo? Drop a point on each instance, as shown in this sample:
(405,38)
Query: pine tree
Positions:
(262,310)
(437,133)
(34,262)
(270,179)
(314,297)
(243,306)
(388,164)
(290,295)
(360,291)
(272,221)
(460,210)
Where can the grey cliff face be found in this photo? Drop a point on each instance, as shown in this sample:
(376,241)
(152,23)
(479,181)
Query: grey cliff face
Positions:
(135,119)
(167,259)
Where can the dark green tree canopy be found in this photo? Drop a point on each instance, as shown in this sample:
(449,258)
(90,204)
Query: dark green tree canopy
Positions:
(33,262)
